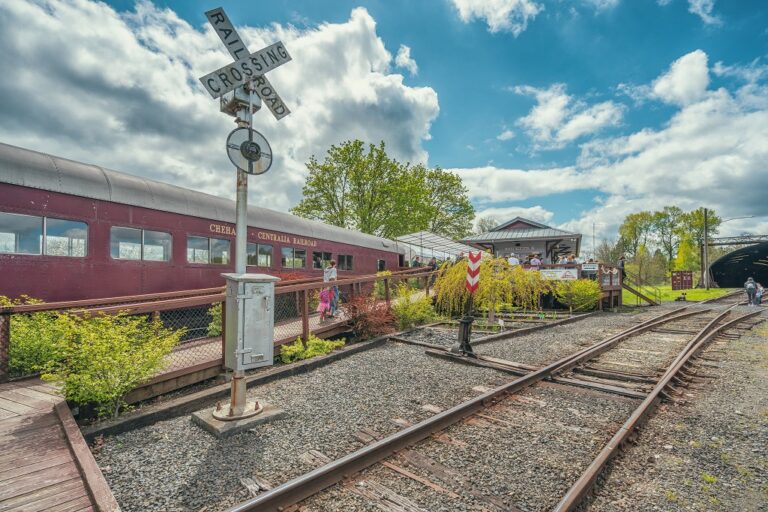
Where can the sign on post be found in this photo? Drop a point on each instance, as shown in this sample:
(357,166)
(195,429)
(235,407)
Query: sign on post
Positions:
(247,66)
(559,274)
(473,271)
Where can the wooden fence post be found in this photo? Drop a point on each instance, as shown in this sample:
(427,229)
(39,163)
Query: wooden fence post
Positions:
(305,319)
(386,292)
(5,346)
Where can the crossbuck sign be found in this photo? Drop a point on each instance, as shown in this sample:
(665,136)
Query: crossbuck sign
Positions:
(247,67)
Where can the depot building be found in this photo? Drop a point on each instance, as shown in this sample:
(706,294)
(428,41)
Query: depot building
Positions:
(523,237)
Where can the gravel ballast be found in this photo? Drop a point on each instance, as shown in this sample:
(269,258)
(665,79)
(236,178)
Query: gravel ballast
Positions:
(173,465)
(709,453)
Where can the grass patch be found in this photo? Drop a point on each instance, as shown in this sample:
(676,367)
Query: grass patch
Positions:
(668,295)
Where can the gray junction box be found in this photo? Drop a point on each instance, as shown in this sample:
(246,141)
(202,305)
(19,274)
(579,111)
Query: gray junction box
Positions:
(250,305)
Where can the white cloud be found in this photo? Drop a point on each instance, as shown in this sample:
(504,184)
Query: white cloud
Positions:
(712,152)
(506,134)
(493,184)
(502,214)
(703,9)
(558,119)
(602,5)
(126,94)
(685,82)
(500,15)
(404,60)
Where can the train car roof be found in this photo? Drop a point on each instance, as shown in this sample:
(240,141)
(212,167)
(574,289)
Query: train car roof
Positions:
(33,169)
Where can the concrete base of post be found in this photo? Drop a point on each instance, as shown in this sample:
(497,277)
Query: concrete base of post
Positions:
(206,420)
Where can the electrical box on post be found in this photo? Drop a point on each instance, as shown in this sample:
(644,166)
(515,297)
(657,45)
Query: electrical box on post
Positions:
(249,319)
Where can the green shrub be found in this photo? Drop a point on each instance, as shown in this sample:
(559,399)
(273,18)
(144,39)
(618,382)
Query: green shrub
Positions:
(35,338)
(315,347)
(105,357)
(214,327)
(378,287)
(410,312)
(579,295)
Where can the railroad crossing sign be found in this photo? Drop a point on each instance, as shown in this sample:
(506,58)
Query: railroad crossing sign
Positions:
(247,67)
(473,271)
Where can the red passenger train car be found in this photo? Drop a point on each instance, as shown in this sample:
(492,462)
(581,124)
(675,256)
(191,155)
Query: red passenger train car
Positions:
(72,231)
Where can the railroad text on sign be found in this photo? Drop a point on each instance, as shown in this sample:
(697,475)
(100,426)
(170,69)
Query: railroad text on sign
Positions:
(244,70)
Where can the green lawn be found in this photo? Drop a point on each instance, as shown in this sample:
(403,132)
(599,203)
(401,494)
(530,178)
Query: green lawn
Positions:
(667,294)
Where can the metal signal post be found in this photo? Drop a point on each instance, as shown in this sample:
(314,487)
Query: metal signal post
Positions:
(465,324)
(235,85)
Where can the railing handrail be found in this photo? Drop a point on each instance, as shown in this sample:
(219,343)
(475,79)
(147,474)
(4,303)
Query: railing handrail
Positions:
(130,301)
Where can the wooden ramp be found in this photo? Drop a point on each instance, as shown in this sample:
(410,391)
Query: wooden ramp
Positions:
(639,294)
(45,463)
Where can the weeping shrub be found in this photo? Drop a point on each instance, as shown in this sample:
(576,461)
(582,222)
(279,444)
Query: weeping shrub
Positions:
(214,326)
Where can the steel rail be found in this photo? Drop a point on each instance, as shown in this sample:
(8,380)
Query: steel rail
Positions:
(722,297)
(310,483)
(586,481)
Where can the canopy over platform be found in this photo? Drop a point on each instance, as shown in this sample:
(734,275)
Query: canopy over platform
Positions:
(427,244)
(522,237)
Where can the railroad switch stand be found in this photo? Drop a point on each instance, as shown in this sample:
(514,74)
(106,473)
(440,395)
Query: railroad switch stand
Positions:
(465,331)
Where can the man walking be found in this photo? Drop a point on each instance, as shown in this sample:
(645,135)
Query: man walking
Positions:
(751,287)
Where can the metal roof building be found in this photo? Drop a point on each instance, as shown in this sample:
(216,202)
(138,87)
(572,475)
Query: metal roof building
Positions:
(28,168)
(522,237)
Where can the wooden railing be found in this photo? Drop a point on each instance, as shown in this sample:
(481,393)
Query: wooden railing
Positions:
(293,320)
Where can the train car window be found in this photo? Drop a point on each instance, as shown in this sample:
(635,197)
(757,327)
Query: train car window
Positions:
(299,258)
(293,258)
(345,262)
(251,254)
(20,234)
(125,243)
(320,259)
(381,265)
(65,238)
(157,246)
(219,251)
(259,255)
(286,257)
(197,249)
(265,255)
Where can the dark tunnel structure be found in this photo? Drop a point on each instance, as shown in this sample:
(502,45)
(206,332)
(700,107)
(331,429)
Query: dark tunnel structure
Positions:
(731,270)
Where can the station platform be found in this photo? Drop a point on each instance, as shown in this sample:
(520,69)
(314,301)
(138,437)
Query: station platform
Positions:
(45,464)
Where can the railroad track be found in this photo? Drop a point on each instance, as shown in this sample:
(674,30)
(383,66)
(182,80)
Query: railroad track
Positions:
(734,297)
(594,399)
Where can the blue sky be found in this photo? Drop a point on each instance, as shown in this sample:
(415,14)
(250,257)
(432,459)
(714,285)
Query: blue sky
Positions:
(571,112)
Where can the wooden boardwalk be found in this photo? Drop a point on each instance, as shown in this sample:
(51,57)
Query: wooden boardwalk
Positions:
(45,464)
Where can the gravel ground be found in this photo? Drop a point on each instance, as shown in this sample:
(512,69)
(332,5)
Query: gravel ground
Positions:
(174,465)
(708,453)
(525,453)
(549,345)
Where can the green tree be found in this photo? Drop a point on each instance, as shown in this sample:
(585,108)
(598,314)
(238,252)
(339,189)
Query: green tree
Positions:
(486,224)
(635,230)
(363,189)
(692,223)
(688,257)
(449,212)
(666,228)
(609,252)
(578,295)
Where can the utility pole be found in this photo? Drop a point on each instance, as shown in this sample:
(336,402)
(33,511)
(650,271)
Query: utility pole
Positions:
(706,249)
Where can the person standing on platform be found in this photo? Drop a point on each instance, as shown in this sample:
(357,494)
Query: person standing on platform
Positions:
(512,260)
(621,266)
(751,287)
(416,262)
(535,261)
(330,274)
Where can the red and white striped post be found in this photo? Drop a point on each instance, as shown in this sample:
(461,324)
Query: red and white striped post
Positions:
(465,324)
